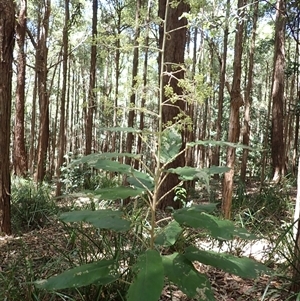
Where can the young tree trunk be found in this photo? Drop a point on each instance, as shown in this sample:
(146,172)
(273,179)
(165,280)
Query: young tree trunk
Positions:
(19,150)
(248,101)
(173,51)
(278,94)
(135,64)
(43,95)
(236,101)
(7,31)
(216,154)
(92,85)
(62,130)
(145,75)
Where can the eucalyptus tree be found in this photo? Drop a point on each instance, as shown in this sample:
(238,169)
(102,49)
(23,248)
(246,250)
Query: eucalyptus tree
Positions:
(19,149)
(222,80)
(172,42)
(62,130)
(91,105)
(248,92)
(278,161)
(7,29)
(236,101)
(135,65)
(42,84)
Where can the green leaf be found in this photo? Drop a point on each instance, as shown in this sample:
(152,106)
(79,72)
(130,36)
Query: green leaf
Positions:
(191,173)
(217,228)
(149,281)
(182,273)
(141,180)
(101,272)
(114,193)
(113,166)
(169,234)
(170,145)
(102,219)
(188,173)
(243,267)
(93,158)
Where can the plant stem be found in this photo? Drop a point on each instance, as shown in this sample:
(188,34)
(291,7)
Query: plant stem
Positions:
(158,169)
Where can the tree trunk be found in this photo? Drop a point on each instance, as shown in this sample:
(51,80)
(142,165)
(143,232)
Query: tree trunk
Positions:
(248,101)
(145,75)
(236,101)
(92,85)
(19,150)
(62,130)
(174,40)
(135,64)
(7,31)
(278,94)
(216,154)
(43,95)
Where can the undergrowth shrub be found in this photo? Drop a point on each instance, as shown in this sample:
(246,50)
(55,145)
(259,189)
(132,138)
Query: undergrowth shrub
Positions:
(262,211)
(83,177)
(31,204)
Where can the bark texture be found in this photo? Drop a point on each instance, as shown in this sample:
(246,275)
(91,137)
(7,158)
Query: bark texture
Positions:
(92,93)
(7,31)
(278,94)
(43,93)
(236,101)
(19,152)
(174,48)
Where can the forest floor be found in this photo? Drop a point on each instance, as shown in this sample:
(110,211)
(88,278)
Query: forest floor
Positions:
(37,253)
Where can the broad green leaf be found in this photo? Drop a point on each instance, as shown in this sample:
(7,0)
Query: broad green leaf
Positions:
(216,169)
(243,267)
(113,166)
(149,281)
(188,173)
(140,180)
(169,234)
(102,219)
(93,158)
(217,228)
(218,143)
(102,272)
(191,173)
(114,193)
(170,145)
(182,273)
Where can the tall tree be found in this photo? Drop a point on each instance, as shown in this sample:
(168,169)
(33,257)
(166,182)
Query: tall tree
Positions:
(172,41)
(236,101)
(19,150)
(92,94)
(278,161)
(248,96)
(135,64)
(7,31)
(43,93)
(62,130)
(222,79)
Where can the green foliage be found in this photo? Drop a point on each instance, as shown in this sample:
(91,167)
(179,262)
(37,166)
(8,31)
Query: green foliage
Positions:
(146,268)
(193,283)
(102,219)
(262,212)
(31,204)
(149,278)
(100,271)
